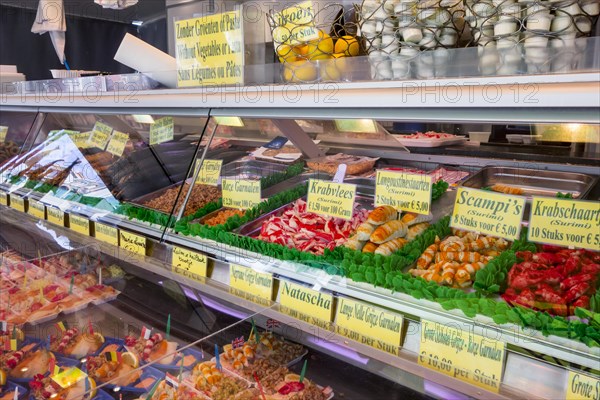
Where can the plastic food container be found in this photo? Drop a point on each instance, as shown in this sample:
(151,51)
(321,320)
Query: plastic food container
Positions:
(481,137)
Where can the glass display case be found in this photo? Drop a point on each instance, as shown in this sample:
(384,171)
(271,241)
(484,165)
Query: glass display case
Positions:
(208,211)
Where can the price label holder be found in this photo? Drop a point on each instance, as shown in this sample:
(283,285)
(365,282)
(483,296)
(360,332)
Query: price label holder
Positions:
(189,264)
(82,140)
(581,386)
(304,304)
(162,130)
(133,243)
(241,194)
(3,132)
(565,222)
(251,285)
(36,209)
(118,142)
(369,325)
(55,216)
(331,198)
(100,135)
(3,198)
(17,203)
(79,224)
(221,62)
(462,355)
(406,192)
(490,213)
(210,172)
(106,234)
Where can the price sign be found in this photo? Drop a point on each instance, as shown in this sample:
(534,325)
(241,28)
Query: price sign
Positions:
(331,199)
(490,213)
(582,387)
(3,198)
(210,172)
(189,264)
(36,209)
(133,243)
(369,325)
(462,355)
(79,224)
(107,234)
(295,24)
(210,50)
(252,285)
(240,193)
(82,140)
(406,192)
(3,132)
(56,216)
(162,131)
(565,222)
(117,143)
(100,135)
(306,304)
(17,203)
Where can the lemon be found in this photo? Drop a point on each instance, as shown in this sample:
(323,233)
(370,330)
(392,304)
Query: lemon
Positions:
(2,377)
(130,359)
(292,378)
(334,69)
(320,46)
(92,388)
(300,71)
(99,337)
(348,45)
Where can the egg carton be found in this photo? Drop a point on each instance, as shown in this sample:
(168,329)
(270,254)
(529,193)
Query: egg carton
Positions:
(534,23)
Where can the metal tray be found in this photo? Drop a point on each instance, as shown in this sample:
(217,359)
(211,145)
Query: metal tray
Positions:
(251,169)
(534,182)
(364,197)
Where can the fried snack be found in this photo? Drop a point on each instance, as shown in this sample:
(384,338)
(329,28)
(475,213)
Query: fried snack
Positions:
(370,247)
(389,231)
(382,214)
(390,247)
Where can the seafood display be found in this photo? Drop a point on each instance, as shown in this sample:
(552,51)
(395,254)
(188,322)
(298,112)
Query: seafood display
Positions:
(72,342)
(556,280)
(201,195)
(355,165)
(386,231)
(149,348)
(455,260)
(282,384)
(120,369)
(44,388)
(222,216)
(297,228)
(211,380)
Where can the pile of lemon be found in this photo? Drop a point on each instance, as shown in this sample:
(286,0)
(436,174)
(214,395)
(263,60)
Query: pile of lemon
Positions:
(299,59)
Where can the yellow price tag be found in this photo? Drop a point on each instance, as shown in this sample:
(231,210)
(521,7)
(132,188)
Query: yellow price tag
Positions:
(331,199)
(117,143)
(462,355)
(490,213)
(55,216)
(100,135)
(69,377)
(36,209)
(295,25)
(79,224)
(582,387)
(306,304)
(162,130)
(107,234)
(189,264)
(210,172)
(133,243)
(565,222)
(240,193)
(81,140)
(210,50)
(406,192)
(17,203)
(369,325)
(250,284)
(3,198)
(3,132)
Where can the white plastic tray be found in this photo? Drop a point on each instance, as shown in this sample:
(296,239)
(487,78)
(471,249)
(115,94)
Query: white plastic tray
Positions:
(430,142)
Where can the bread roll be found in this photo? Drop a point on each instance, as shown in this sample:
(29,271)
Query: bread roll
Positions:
(382,214)
(390,247)
(414,218)
(364,231)
(416,230)
(370,247)
(389,231)
(355,244)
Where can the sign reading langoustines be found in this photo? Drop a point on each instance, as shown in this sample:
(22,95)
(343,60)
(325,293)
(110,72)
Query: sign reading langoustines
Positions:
(210,50)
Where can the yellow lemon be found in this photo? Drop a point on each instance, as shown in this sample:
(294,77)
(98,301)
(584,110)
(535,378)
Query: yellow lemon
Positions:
(99,337)
(284,52)
(320,46)
(2,377)
(333,70)
(348,45)
(130,359)
(92,388)
(292,378)
(300,71)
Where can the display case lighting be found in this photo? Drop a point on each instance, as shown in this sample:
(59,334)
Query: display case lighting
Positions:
(229,121)
(356,125)
(143,118)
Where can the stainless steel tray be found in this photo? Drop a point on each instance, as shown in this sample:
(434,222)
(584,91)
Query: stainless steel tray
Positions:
(251,169)
(534,182)
(364,197)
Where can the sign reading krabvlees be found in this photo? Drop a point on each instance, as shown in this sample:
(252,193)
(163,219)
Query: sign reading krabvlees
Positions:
(565,222)
(210,50)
